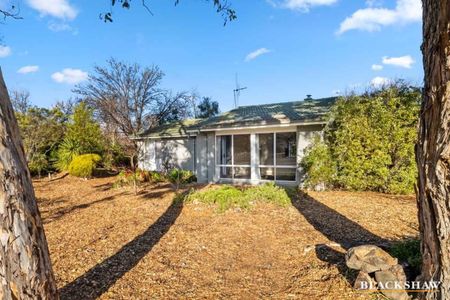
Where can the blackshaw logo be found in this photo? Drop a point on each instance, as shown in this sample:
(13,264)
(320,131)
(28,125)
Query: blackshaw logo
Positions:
(408,286)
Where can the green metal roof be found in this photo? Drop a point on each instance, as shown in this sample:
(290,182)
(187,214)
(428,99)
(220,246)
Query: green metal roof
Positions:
(174,129)
(306,111)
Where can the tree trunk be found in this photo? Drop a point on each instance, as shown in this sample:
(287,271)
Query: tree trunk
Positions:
(433,149)
(25,268)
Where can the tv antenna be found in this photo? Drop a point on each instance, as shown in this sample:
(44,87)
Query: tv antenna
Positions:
(237,92)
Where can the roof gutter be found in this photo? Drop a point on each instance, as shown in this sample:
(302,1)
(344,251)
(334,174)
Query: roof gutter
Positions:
(259,126)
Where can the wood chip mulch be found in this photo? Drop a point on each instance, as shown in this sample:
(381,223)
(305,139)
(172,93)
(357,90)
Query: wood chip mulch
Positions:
(109,243)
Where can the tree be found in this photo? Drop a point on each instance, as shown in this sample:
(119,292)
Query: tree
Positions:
(207,108)
(433,149)
(369,142)
(42,131)
(84,136)
(25,265)
(222,7)
(128,99)
(20,101)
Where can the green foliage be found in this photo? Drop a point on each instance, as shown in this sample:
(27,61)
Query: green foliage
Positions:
(156,177)
(83,136)
(177,176)
(369,143)
(207,108)
(130,178)
(227,196)
(408,251)
(84,165)
(66,153)
(38,164)
(321,168)
(42,131)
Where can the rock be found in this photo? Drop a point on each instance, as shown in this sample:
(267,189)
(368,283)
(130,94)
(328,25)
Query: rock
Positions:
(369,259)
(389,285)
(364,282)
(399,273)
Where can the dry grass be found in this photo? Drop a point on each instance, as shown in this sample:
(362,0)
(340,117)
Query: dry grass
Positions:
(112,244)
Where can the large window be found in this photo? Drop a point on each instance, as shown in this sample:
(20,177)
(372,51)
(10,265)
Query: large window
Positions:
(233,156)
(278,156)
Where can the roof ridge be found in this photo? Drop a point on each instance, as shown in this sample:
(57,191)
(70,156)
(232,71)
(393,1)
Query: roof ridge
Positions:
(285,102)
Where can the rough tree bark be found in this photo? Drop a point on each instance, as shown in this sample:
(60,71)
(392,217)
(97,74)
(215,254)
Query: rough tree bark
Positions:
(25,267)
(433,149)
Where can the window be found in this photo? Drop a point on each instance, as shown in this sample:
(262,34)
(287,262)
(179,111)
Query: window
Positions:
(278,156)
(234,156)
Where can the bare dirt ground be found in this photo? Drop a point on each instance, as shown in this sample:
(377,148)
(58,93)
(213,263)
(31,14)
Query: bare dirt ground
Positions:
(108,243)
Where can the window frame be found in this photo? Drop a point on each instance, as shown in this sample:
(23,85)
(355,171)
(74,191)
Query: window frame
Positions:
(275,166)
(232,165)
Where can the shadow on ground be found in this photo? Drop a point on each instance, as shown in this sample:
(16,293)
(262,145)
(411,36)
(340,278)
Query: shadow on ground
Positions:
(338,229)
(101,277)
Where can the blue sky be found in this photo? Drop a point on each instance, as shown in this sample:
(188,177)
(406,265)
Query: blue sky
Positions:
(280,49)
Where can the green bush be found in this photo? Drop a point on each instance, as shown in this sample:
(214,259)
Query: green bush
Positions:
(38,164)
(177,176)
(156,177)
(84,165)
(127,177)
(408,251)
(67,151)
(368,143)
(319,165)
(227,196)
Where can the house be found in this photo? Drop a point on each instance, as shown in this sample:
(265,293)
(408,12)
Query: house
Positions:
(249,144)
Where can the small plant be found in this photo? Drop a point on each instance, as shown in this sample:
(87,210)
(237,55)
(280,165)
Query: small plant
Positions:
(177,177)
(156,177)
(84,165)
(408,251)
(226,196)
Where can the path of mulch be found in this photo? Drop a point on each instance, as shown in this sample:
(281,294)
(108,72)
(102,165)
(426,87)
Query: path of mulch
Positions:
(111,244)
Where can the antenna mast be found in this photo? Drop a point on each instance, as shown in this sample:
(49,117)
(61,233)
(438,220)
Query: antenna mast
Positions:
(237,92)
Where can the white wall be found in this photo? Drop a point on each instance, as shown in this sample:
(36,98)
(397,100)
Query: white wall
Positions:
(179,152)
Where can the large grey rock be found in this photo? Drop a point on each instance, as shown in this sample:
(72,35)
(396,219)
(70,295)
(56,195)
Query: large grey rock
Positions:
(364,282)
(369,259)
(390,286)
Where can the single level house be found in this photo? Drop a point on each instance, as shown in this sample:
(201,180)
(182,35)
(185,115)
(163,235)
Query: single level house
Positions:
(249,144)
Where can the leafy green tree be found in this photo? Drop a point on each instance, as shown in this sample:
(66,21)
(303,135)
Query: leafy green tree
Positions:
(83,136)
(370,139)
(207,108)
(42,131)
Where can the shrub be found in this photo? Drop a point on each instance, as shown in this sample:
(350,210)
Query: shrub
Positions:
(66,153)
(38,164)
(156,177)
(127,177)
(369,142)
(177,176)
(227,196)
(408,251)
(269,193)
(84,165)
(318,165)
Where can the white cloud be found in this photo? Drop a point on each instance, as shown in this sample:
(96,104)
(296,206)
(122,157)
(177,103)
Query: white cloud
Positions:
(70,76)
(380,81)
(58,27)
(28,69)
(256,53)
(373,19)
(376,67)
(5,51)
(61,9)
(403,61)
(300,5)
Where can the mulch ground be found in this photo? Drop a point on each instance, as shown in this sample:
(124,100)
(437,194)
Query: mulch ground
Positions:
(109,243)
